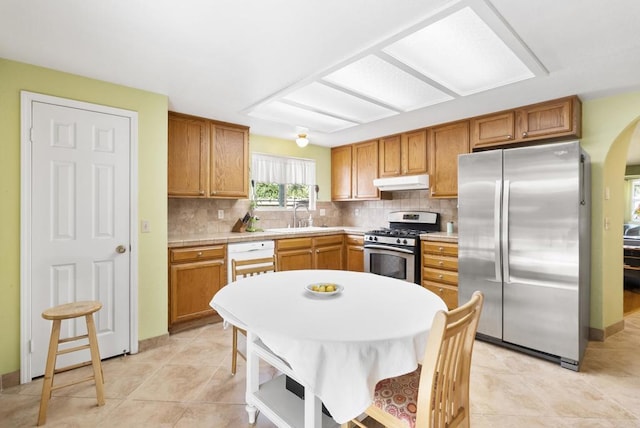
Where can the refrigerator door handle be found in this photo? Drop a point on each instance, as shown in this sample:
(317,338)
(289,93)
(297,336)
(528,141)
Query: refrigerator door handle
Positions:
(496,230)
(506,277)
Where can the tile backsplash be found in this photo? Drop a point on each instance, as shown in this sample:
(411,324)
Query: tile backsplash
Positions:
(200,216)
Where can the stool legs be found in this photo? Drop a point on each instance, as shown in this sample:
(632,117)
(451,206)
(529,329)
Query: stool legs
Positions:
(95,359)
(48,372)
(50,369)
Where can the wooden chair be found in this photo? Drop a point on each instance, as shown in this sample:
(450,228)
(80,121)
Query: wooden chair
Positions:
(245,268)
(440,388)
(65,312)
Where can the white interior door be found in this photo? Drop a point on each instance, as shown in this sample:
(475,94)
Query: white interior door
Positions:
(80,225)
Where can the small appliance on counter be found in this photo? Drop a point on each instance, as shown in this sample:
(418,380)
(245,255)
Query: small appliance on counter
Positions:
(395,251)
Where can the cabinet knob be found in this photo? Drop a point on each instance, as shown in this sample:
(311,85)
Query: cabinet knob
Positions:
(202,193)
(440,276)
(525,135)
(440,290)
(199,253)
(440,263)
(509,137)
(440,249)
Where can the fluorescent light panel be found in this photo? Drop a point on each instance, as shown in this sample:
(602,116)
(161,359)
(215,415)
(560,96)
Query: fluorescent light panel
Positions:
(375,78)
(321,97)
(288,114)
(462,53)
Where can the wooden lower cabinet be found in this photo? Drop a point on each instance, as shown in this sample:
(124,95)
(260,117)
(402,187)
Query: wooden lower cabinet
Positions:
(195,276)
(440,270)
(324,252)
(354,251)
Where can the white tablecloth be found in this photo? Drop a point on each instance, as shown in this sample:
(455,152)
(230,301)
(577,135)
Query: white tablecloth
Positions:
(341,345)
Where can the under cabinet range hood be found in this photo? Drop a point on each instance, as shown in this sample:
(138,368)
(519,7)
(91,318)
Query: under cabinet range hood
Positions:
(405,182)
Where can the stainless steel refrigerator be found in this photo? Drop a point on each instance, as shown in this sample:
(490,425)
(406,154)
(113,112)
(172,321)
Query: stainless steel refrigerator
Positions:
(524,241)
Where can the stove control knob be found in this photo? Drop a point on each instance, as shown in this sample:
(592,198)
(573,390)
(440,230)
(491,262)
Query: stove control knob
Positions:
(375,238)
(404,241)
(398,241)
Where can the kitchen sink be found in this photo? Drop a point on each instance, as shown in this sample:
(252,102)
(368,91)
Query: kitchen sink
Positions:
(302,229)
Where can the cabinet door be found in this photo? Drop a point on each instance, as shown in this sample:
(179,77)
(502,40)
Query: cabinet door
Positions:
(295,259)
(341,173)
(229,162)
(390,154)
(447,142)
(490,130)
(329,257)
(414,152)
(193,285)
(355,258)
(365,170)
(188,153)
(549,119)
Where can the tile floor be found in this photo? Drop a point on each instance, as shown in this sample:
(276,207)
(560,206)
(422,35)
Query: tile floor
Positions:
(187,383)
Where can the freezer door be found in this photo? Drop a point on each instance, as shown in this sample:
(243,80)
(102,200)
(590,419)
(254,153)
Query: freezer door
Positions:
(479,203)
(541,204)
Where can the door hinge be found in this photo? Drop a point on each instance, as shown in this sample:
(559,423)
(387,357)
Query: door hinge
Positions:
(31,135)
(31,346)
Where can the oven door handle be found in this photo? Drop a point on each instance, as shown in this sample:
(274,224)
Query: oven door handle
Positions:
(382,247)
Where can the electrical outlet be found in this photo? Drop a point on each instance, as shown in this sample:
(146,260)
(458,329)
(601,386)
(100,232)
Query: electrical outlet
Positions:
(323,212)
(357,212)
(220,214)
(146,226)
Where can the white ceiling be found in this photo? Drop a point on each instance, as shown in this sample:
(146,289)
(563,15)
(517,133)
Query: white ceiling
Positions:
(222,58)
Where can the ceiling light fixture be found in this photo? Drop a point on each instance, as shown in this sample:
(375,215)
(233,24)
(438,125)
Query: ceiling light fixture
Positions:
(302,140)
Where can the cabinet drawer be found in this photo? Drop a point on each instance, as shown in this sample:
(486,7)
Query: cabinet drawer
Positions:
(448,294)
(355,240)
(293,243)
(440,262)
(440,276)
(440,248)
(197,253)
(327,240)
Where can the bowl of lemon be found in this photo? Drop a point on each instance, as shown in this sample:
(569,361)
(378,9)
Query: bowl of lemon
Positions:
(324,289)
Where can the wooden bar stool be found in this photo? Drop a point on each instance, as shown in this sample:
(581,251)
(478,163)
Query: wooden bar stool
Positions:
(65,312)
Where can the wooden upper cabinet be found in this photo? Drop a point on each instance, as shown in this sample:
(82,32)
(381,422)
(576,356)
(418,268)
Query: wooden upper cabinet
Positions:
(404,154)
(446,143)
(207,158)
(364,170)
(390,152)
(414,152)
(558,118)
(188,156)
(229,173)
(492,129)
(341,173)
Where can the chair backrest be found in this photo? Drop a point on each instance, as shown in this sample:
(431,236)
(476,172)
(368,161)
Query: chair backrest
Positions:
(244,268)
(443,394)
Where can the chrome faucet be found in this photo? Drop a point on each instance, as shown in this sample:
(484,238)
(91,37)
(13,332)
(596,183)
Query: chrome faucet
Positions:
(296,205)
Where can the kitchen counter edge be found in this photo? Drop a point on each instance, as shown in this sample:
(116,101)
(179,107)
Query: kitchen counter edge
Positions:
(190,240)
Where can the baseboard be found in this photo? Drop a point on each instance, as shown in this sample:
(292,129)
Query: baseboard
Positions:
(600,335)
(153,342)
(8,380)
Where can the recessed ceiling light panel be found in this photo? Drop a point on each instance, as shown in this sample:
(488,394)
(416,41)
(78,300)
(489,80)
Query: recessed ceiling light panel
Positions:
(286,113)
(379,80)
(321,98)
(462,53)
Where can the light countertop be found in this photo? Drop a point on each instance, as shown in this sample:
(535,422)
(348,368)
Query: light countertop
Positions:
(440,236)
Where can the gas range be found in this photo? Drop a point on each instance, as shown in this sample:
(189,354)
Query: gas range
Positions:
(395,251)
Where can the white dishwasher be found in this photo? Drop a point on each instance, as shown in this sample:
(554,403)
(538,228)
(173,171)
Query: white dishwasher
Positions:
(247,251)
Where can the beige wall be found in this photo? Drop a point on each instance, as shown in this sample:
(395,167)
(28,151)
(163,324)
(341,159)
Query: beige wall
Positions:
(608,125)
(152,202)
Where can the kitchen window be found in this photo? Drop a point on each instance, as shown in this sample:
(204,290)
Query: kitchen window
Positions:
(280,182)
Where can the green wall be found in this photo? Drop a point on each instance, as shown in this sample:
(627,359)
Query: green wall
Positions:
(608,125)
(152,200)
(322,155)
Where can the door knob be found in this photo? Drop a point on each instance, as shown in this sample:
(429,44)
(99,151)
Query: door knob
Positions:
(121,249)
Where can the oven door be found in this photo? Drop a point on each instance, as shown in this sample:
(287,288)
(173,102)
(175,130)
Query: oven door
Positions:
(390,261)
